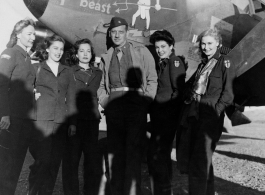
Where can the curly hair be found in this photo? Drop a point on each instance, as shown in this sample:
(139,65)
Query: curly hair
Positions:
(74,50)
(212,32)
(162,35)
(19,26)
(41,52)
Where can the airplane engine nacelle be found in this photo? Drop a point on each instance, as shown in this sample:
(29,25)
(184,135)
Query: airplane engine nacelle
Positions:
(43,32)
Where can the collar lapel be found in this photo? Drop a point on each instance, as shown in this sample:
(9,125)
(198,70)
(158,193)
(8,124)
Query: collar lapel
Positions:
(60,68)
(92,76)
(45,66)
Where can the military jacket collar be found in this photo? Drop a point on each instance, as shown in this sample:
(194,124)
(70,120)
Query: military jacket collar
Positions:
(81,78)
(21,50)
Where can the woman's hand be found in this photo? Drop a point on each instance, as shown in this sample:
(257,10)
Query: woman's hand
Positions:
(5,122)
(71,130)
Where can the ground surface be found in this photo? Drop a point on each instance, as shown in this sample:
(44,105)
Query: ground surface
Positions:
(239,163)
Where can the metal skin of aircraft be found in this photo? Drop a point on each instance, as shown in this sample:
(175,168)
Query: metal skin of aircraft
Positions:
(240,21)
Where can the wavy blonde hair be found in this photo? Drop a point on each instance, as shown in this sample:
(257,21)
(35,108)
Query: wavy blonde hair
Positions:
(19,26)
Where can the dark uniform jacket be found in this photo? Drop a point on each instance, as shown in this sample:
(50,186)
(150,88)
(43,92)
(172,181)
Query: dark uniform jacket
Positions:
(57,100)
(86,85)
(210,111)
(219,93)
(171,80)
(17,76)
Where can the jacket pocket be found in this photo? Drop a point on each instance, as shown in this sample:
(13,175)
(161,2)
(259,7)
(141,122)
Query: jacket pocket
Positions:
(214,84)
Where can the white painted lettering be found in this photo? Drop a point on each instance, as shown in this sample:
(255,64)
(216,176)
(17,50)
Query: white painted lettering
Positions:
(103,8)
(97,7)
(92,5)
(108,7)
(83,3)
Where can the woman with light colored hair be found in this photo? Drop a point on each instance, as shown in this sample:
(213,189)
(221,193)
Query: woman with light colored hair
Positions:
(209,92)
(17,76)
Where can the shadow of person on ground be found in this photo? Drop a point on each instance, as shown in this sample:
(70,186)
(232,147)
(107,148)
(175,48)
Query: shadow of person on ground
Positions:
(126,118)
(242,156)
(15,141)
(85,143)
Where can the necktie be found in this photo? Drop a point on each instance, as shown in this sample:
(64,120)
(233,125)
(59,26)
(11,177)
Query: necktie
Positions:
(119,53)
(163,63)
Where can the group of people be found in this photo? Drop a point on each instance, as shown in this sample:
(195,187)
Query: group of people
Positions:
(52,110)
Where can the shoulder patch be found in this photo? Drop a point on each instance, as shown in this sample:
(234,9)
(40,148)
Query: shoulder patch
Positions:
(227,63)
(5,56)
(176,63)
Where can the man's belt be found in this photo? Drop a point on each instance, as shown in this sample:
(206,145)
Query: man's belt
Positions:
(126,89)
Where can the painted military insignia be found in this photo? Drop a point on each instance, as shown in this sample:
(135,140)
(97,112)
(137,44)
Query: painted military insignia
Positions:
(227,63)
(176,63)
(5,56)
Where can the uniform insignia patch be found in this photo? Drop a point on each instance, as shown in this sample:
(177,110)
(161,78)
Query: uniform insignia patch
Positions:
(5,56)
(176,63)
(227,63)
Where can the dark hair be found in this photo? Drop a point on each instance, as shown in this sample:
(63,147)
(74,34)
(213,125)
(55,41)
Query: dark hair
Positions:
(41,52)
(73,60)
(162,35)
(19,26)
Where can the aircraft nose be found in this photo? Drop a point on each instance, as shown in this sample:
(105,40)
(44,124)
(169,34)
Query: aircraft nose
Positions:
(36,7)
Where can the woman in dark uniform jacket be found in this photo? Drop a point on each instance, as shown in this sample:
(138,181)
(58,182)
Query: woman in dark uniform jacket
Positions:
(164,111)
(85,138)
(55,88)
(17,76)
(210,92)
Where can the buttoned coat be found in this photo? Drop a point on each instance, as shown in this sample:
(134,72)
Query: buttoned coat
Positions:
(171,81)
(57,94)
(17,76)
(142,59)
(86,87)
(198,140)
(219,92)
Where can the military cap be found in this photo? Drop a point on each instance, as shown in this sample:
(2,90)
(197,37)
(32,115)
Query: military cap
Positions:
(117,21)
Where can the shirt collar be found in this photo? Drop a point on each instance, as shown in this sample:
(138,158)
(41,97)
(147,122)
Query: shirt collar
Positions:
(123,48)
(77,67)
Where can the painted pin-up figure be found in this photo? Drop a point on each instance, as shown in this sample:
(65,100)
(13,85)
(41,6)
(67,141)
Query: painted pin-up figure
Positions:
(144,11)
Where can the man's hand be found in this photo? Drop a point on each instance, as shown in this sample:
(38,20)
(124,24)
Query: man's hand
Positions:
(5,122)
(71,130)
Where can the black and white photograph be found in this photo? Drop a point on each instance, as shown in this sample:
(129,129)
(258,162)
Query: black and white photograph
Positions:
(132,97)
